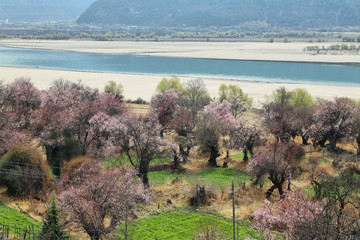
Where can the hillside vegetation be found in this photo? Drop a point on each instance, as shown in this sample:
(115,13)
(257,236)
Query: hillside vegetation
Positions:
(285,13)
(42,10)
(183,167)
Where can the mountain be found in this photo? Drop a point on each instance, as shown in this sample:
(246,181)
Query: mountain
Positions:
(42,10)
(291,13)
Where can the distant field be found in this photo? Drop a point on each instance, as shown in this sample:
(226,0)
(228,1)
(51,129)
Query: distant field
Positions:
(13,218)
(179,226)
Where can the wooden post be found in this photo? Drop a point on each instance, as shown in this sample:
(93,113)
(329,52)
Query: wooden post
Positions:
(25,233)
(233,198)
(237,232)
(126,223)
(233,190)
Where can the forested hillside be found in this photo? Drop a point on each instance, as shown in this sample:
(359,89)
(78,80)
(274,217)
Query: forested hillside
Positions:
(42,10)
(287,13)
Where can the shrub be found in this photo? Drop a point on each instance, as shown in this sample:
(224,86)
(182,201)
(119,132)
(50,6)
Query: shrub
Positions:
(210,230)
(24,171)
(71,167)
(137,101)
(202,194)
(74,163)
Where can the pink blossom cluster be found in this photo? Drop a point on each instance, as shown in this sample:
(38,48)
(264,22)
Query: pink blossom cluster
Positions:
(288,214)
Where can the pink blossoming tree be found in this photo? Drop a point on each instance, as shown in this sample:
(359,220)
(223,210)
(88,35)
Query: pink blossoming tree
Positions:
(216,121)
(97,200)
(10,131)
(246,138)
(164,105)
(335,120)
(289,215)
(278,161)
(138,137)
(25,99)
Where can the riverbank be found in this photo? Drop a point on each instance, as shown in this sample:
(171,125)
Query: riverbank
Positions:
(260,51)
(136,85)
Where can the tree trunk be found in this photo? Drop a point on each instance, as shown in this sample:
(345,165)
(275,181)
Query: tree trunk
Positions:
(184,154)
(53,158)
(277,185)
(143,171)
(332,144)
(83,149)
(322,142)
(214,153)
(246,157)
(162,132)
(176,160)
(251,151)
(270,191)
(281,192)
(358,144)
(289,185)
(305,139)
(95,237)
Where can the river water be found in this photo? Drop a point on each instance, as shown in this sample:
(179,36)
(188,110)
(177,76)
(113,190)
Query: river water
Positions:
(264,71)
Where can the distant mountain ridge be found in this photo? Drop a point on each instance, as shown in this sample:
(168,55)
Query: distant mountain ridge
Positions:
(291,13)
(42,10)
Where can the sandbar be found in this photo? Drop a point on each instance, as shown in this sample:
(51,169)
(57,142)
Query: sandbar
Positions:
(264,51)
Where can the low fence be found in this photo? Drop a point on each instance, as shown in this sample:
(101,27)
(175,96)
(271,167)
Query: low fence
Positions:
(16,232)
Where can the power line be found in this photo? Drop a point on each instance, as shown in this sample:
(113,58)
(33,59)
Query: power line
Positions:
(30,164)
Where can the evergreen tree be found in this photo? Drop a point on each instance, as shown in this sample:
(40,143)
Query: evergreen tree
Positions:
(51,229)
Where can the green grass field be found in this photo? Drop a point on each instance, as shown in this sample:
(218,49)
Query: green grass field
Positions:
(115,162)
(238,156)
(179,226)
(217,176)
(13,218)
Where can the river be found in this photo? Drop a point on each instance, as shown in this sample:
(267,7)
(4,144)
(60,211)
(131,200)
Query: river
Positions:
(263,71)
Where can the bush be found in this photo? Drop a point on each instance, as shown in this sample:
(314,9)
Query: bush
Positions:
(210,230)
(75,163)
(202,194)
(137,101)
(72,166)
(24,171)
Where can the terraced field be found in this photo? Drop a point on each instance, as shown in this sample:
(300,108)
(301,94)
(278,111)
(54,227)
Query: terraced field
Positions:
(16,221)
(180,226)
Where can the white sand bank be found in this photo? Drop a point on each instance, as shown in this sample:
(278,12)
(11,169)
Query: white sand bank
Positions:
(144,85)
(277,51)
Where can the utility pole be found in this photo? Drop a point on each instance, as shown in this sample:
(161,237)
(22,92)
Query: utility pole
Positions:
(233,193)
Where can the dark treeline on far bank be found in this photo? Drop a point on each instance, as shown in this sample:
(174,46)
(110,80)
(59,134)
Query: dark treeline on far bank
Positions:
(247,32)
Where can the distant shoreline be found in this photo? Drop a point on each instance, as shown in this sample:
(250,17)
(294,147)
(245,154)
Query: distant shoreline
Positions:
(212,58)
(247,51)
